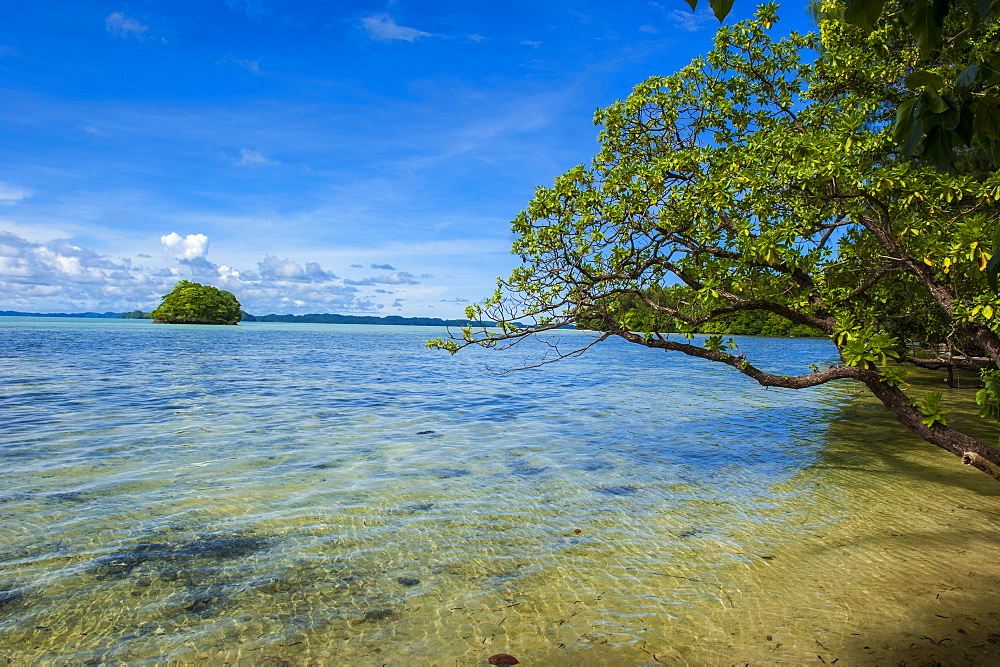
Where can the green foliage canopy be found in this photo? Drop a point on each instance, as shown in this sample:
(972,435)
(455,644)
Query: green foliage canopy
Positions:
(758,181)
(947,107)
(194,303)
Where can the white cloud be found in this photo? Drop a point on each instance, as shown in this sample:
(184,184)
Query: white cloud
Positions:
(649,28)
(187,247)
(394,278)
(228,273)
(252,8)
(693,21)
(383,26)
(10,194)
(249,158)
(65,276)
(273,268)
(252,66)
(81,278)
(120,25)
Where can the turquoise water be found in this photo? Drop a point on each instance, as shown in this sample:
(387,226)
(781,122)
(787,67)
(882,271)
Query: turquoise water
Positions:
(333,493)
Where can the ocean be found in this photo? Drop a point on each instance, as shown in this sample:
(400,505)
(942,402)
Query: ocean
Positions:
(338,494)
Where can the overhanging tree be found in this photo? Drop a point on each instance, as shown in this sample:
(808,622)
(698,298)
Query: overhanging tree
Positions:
(761,182)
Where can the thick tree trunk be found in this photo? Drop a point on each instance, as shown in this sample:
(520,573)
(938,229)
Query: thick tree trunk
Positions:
(971,451)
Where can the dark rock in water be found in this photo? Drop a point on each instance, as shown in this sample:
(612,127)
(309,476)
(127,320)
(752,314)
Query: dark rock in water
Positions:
(424,432)
(408,581)
(503,659)
(119,566)
(69,497)
(9,597)
(419,507)
(322,466)
(379,614)
(619,490)
(448,473)
(203,604)
(689,533)
(223,546)
(212,547)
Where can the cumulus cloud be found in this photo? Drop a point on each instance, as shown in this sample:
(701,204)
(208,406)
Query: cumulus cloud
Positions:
(273,268)
(11,194)
(120,25)
(693,21)
(185,247)
(61,269)
(383,26)
(249,158)
(394,278)
(200,267)
(62,276)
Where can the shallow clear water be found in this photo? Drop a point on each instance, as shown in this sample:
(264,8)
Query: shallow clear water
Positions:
(340,494)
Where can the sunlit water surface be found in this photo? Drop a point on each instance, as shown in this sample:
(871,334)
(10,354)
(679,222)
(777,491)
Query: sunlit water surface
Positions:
(340,495)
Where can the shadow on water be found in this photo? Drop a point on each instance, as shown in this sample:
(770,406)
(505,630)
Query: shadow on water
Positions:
(920,534)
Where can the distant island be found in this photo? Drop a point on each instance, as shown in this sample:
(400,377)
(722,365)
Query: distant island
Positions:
(194,303)
(312,318)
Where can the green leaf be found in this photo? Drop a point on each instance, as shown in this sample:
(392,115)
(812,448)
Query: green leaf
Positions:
(992,269)
(920,78)
(967,77)
(938,147)
(987,117)
(721,8)
(931,100)
(693,3)
(903,127)
(931,409)
(925,19)
(863,13)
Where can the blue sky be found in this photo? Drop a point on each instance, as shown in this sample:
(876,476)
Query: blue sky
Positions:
(310,156)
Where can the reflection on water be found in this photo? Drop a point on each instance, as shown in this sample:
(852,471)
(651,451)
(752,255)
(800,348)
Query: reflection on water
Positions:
(340,494)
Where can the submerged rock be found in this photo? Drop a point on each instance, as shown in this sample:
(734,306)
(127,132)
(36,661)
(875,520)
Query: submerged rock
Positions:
(204,604)
(407,581)
(448,473)
(379,614)
(9,597)
(223,546)
(618,490)
(419,507)
(503,659)
(211,547)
